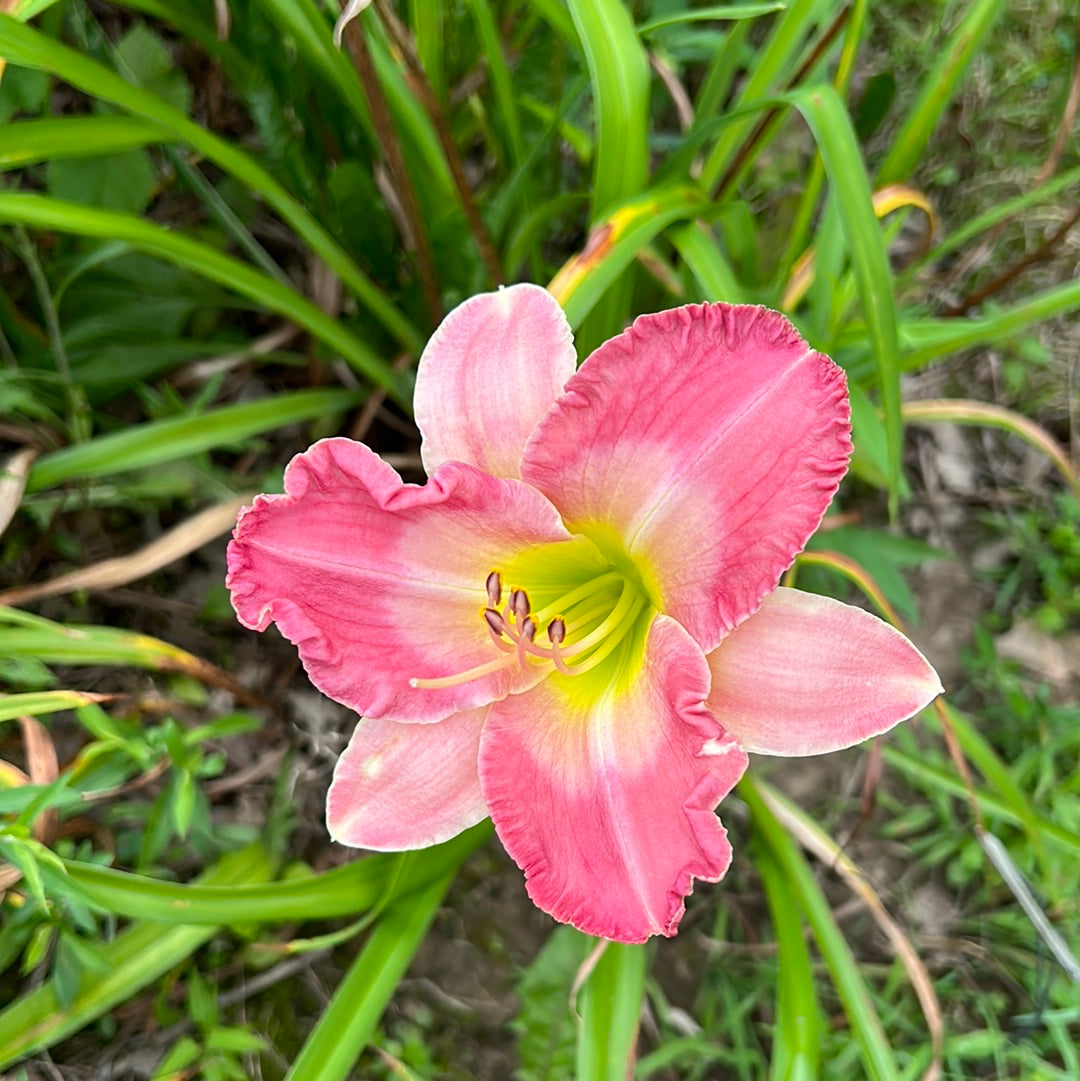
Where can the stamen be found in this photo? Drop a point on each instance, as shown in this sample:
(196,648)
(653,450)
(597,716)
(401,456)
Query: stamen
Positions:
(465,677)
(592,608)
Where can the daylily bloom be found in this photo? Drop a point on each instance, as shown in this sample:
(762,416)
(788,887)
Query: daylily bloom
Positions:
(575,625)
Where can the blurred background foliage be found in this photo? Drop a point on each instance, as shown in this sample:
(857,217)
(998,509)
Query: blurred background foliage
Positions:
(223,235)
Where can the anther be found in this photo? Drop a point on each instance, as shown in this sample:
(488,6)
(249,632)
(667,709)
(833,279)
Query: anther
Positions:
(494,621)
(556,631)
(519,604)
(494,589)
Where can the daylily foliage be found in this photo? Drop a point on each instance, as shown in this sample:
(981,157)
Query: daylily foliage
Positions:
(575,625)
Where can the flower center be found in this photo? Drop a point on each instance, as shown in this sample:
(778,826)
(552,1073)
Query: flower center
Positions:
(563,607)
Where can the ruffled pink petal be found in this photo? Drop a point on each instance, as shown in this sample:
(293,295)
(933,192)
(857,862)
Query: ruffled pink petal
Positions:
(806,675)
(405,786)
(710,439)
(377,582)
(489,374)
(608,806)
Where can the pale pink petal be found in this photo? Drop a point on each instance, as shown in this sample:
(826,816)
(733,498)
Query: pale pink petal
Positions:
(806,675)
(377,582)
(608,806)
(488,375)
(709,439)
(404,786)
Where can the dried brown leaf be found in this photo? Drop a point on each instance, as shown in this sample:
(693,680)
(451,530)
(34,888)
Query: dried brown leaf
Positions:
(13,474)
(110,573)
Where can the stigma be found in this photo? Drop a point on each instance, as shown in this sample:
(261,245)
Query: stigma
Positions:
(571,634)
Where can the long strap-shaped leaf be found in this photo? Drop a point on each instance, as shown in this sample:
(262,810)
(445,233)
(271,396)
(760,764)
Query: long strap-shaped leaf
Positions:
(130,962)
(878,1057)
(345,891)
(937,91)
(41,212)
(799,1027)
(348,1022)
(610,1006)
(23,45)
(26,142)
(177,438)
(619,74)
(825,113)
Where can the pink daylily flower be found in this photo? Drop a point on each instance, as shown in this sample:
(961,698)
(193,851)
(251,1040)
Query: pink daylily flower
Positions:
(575,625)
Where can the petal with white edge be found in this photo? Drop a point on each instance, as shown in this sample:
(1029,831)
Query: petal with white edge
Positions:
(489,373)
(807,674)
(378,582)
(707,439)
(608,806)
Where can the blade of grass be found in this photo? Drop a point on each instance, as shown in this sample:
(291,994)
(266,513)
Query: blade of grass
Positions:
(610,1003)
(131,961)
(615,241)
(426,21)
(983,223)
(796,1050)
(926,340)
(27,142)
(815,840)
(946,781)
(501,81)
(718,12)
(24,635)
(877,1055)
(986,760)
(24,46)
(348,1023)
(800,226)
(988,415)
(345,891)
(937,91)
(619,75)
(307,27)
(770,64)
(701,253)
(41,212)
(144,445)
(824,111)
(38,703)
